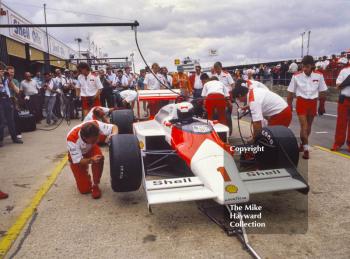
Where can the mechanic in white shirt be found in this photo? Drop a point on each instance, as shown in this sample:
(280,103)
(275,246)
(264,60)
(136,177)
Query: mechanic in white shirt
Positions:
(264,105)
(99,113)
(214,86)
(124,96)
(256,84)
(88,87)
(342,131)
(150,82)
(224,77)
(308,86)
(83,150)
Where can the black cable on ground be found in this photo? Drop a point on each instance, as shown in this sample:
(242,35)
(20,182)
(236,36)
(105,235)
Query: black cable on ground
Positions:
(25,235)
(50,129)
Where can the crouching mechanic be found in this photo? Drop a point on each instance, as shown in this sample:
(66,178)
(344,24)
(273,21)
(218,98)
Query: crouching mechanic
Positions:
(83,151)
(264,104)
(99,113)
(127,98)
(308,86)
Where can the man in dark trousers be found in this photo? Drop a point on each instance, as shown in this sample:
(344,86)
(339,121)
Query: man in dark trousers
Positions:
(6,107)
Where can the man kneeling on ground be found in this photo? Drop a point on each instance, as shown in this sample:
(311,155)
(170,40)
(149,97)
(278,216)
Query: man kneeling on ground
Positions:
(83,151)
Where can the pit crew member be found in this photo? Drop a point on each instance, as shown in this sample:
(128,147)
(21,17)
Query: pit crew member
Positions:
(308,86)
(214,86)
(342,131)
(84,151)
(223,76)
(99,113)
(264,104)
(88,87)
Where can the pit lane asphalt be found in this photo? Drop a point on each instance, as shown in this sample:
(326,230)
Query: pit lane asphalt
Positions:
(70,225)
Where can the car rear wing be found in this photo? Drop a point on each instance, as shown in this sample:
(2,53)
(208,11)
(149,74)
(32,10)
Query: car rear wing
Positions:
(156,95)
(162,94)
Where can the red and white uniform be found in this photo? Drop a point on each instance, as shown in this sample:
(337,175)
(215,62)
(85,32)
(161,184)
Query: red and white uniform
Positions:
(216,87)
(88,85)
(344,73)
(77,148)
(226,79)
(306,89)
(343,119)
(265,104)
(90,116)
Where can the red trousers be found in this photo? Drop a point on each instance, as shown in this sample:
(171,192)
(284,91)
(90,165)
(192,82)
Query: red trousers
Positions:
(343,123)
(81,173)
(283,118)
(85,105)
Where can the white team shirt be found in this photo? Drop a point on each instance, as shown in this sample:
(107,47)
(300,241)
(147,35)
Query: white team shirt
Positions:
(128,95)
(344,73)
(88,85)
(90,115)
(152,82)
(264,103)
(75,144)
(226,79)
(216,87)
(256,84)
(307,87)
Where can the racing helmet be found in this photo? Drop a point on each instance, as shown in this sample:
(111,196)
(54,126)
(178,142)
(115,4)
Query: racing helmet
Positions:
(185,111)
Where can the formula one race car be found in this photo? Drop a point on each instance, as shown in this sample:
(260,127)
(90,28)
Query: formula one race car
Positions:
(196,151)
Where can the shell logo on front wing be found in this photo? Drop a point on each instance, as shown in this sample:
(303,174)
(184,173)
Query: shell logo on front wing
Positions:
(231,188)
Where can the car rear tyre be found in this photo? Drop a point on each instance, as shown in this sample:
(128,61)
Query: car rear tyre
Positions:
(125,163)
(124,120)
(280,148)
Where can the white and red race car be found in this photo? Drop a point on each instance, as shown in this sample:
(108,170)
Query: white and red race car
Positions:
(197,153)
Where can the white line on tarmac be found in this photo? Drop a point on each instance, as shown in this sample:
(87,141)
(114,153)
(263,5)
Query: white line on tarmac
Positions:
(321,132)
(332,115)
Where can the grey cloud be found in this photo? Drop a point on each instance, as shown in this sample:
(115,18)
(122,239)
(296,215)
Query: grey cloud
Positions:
(242,30)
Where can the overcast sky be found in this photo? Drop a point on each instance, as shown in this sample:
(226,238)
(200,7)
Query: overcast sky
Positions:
(242,31)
